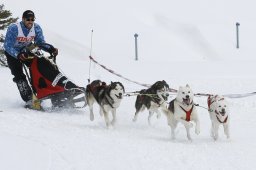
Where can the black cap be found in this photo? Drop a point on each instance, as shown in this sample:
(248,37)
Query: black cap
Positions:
(28,13)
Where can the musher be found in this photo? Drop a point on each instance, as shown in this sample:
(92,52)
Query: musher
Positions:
(18,36)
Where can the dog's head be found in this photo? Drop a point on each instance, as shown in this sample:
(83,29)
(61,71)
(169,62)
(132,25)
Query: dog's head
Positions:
(161,88)
(219,106)
(185,95)
(116,90)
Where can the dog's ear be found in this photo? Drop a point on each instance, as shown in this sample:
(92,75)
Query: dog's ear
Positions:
(154,85)
(165,84)
(180,88)
(122,86)
(187,86)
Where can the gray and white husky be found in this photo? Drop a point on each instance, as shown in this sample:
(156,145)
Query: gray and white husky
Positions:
(219,114)
(152,98)
(182,110)
(108,97)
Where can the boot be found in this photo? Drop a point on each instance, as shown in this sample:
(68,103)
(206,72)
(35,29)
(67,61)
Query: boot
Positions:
(24,89)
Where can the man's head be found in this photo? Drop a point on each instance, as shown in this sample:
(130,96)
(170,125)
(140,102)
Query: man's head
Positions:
(28,18)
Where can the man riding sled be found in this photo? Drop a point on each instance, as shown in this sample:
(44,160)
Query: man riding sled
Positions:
(23,44)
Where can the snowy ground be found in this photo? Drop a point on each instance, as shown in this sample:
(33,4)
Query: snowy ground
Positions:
(182,44)
(68,140)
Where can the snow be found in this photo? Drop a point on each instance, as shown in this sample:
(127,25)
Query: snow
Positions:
(182,42)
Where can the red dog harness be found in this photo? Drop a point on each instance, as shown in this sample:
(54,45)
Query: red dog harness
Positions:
(188,113)
(209,102)
(221,121)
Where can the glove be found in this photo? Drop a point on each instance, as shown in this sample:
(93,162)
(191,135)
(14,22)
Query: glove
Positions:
(53,51)
(23,56)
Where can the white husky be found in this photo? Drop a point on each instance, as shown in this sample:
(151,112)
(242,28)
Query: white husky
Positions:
(182,109)
(218,110)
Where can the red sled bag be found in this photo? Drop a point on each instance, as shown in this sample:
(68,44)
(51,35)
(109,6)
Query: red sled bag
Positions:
(43,75)
(49,83)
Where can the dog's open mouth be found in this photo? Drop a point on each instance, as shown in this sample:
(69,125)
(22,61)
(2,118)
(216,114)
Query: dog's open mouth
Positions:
(186,101)
(222,113)
(165,97)
(120,96)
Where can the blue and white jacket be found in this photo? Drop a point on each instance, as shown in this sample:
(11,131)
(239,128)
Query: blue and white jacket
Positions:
(18,36)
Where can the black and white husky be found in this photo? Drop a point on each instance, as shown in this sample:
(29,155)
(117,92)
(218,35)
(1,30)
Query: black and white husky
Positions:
(107,96)
(152,98)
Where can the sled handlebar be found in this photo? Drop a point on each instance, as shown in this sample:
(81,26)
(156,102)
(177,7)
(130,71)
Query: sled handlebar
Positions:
(33,48)
(42,46)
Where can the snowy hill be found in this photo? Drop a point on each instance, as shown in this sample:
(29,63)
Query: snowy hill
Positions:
(181,42)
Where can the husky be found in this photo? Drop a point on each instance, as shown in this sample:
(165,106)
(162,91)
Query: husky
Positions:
(152,98)
(108,97)
(219,114)
(182,110)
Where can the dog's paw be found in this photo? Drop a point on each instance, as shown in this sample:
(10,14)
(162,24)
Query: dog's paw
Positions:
(173,137)
(189,125)
(113,122)
(189,138)
(101,113)
(197,131)
(215,138)
(91,116)
(110,126)
(158,116)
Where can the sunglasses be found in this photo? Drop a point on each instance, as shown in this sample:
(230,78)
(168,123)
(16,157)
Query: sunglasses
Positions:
(30,19)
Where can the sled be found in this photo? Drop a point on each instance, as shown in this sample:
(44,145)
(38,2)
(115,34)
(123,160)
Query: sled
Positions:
(51,88)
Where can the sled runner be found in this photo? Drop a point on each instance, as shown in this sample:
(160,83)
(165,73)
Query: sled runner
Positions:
(48,83)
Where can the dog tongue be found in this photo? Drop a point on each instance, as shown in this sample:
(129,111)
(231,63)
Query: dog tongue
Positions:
(186,101)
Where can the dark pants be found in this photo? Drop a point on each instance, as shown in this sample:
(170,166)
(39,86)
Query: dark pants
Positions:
(19,77)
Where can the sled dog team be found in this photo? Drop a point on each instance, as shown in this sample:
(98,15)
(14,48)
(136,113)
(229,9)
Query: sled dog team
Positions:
(180,110)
